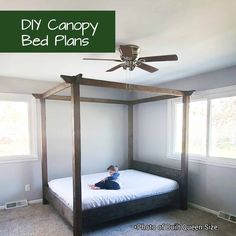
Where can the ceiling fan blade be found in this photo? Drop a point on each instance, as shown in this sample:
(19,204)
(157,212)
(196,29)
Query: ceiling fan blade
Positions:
(126,50)
(101,59)
(115,67)
(148,68)
(160,58)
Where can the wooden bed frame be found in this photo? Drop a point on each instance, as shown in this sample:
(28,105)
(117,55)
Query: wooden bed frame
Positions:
(99,215)
(79,218)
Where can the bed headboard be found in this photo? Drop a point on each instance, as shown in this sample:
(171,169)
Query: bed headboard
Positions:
(167,172)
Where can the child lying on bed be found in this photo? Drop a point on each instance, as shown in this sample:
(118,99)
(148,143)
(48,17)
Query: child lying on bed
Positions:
(110,182)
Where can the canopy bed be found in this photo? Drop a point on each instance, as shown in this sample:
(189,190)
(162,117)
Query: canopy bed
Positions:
(68,201)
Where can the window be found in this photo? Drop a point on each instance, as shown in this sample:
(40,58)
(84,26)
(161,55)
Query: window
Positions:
(17,127)
(223,127)
(212,126)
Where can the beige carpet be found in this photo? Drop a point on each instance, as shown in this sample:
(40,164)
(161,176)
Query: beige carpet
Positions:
(42,220)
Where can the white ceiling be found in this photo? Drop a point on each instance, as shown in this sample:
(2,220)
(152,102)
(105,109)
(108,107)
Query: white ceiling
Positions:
(201,32)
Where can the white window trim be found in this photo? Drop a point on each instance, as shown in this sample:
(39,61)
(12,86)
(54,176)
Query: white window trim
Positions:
(32,128)
(203,159)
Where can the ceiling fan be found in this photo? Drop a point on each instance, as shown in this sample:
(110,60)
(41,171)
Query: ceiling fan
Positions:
(130,59)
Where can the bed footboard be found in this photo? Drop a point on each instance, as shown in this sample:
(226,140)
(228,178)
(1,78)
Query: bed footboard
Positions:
(103,214)
(60,206)
(111,212)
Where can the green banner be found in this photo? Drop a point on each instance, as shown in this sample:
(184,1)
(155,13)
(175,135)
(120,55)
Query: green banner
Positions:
(57,31)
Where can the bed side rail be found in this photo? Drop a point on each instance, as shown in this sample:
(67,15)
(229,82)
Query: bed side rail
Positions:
(167,172)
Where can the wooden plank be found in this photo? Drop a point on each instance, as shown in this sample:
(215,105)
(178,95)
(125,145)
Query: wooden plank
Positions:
(95,216)
(71,79)
(37,95)
(44,149)
(56,89)
(76,161)
(153,99)
(59,98)
(184,154)
(64,210)
(130,135)
(85,99)
(130,87)
(103,100)
(103,214)
(167,172)
(117,85)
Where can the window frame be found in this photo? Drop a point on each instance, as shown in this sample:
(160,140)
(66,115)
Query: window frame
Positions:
(32,126)
(201,95)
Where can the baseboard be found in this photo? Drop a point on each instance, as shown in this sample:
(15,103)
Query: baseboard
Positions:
(203,208)
(36,201)
(31,202)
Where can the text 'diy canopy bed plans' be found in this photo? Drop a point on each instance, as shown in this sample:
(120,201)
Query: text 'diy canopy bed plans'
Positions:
(77,213)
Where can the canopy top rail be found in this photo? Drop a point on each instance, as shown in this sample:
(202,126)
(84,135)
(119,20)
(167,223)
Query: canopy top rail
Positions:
(165,93)
(117,85)
(55,90)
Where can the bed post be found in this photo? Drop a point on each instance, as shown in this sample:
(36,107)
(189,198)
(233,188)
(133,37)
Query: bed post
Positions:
(130,135)
(44,149)
(184,154)
(77,204)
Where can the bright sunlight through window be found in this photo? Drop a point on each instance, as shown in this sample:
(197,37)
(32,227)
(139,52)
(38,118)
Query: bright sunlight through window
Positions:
(14,136)
(212,127)
(17,137)
(223,127)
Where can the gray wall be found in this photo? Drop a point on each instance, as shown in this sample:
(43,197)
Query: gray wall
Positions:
(211,80)
(103,143)
(104,140)
(210,186)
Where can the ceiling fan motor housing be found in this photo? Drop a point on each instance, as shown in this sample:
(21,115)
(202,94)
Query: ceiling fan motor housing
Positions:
(135,53)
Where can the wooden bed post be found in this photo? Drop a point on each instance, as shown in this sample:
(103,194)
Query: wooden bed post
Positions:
(44,149)
(130,135)
(184,154)
(77,203)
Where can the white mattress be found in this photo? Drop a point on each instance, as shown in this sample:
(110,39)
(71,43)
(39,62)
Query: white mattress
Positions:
(134,184)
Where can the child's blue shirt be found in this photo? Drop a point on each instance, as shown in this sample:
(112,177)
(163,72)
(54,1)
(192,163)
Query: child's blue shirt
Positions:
(114,176)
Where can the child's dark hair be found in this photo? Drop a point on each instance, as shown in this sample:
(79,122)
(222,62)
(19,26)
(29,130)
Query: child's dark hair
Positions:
(113,168)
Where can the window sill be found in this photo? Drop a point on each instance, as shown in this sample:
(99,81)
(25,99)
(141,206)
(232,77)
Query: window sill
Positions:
(228,164)
(16,159)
